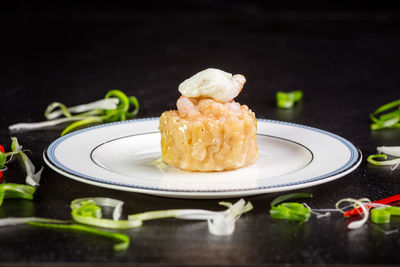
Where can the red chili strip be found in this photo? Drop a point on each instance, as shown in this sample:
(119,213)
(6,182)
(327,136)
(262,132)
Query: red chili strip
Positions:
(387,200)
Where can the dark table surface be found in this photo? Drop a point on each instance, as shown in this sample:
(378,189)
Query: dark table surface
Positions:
(345,61)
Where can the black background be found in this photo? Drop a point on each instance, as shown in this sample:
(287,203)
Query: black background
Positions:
(344,58)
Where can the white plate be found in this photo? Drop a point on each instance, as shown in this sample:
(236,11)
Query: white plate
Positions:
(121,155)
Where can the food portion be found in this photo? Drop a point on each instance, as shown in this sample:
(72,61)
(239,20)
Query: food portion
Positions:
(213,83)
(209,131)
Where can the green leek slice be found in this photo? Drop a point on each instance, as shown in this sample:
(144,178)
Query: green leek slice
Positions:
(87,211)
(291,210)
(16,191)
(123,239)
(371,159)
(380,215)
(287,99)
(115,107)
(390,119)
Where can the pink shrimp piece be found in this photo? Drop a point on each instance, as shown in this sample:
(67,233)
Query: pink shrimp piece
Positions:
(211,108)
(186,108)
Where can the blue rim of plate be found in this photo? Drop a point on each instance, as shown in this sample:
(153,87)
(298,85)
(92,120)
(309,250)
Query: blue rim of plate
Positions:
(50,158)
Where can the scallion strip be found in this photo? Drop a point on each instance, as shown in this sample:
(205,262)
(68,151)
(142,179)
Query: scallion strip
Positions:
(371,159)
(86,211)
(122,238)
(380,215)
(135,102)
(102,104)
(394,210)
(16,191)
(389,115)
(292,210)
(285,197)
(219,222)
(12,221)
(115,107)
(391,119)
(44,124)
(123,99)
(159,214)
(388,123)
(287,99)
(49,114)
(81,123)
(387,106)
(236,210)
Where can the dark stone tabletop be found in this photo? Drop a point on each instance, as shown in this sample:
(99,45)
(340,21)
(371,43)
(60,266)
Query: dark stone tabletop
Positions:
(345,60)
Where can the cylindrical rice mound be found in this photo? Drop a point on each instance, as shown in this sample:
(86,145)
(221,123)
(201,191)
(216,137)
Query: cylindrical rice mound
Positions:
(209,144)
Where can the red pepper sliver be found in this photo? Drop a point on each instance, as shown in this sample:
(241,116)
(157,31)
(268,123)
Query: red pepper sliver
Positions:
(2,149)
(387,200)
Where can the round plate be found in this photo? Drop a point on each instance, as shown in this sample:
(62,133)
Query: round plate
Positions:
(126,156)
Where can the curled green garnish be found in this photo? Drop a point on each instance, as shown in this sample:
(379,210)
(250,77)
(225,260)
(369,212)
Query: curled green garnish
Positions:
(382,215)
(88,211)
(383,162)
(66,225)
(290,210)
(115,107)
(123,239)
(81,123)
(219,222)
(120,113)
(287,99)
(3,159)
(49,114)
(385,117)
(16,191)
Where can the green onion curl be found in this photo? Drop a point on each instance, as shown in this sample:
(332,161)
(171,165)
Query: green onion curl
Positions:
(115,107)
(390,119)
(87,211)
(380,215)
(219,222)
(287,99)
(372,159)
(123,239)
(81,123)
(291,210)
(9,190)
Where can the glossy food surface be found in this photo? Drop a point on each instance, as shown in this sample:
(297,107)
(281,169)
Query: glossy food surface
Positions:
(208,136)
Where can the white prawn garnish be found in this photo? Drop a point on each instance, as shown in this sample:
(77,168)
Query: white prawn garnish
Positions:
(213,83)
